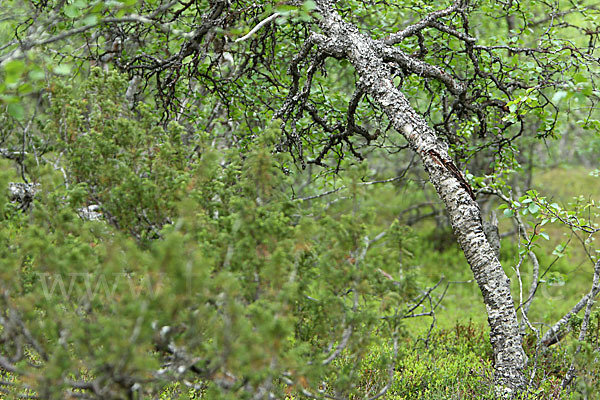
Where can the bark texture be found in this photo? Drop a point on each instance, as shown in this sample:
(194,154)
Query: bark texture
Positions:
(343,40)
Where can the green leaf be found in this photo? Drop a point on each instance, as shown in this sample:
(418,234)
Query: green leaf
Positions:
(509,212)
(533,208)
(558,96)
(16,111)
(13,70)
(25,88)
(72,11)
(309,5)
(14,66)
(36,74)
(91,19)
(9,98)
(545,235)
(62,69)
(559,250)
(556,279)
(286,9)
(580,78)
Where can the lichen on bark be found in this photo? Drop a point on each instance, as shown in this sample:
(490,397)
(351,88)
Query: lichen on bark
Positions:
(340,38)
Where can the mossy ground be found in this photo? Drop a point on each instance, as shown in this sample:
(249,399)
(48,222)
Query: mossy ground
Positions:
(456,361)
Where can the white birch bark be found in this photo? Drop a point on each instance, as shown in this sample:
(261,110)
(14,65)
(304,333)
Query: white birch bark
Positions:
(343,40)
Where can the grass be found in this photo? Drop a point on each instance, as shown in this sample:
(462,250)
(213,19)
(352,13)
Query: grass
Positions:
(456,364)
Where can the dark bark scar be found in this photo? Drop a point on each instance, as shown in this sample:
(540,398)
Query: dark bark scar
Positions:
(449,165)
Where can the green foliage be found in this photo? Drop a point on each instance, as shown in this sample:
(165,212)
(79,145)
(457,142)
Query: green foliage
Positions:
(457,363)
(453,363)
(121,159)
(237,286)
(204,277)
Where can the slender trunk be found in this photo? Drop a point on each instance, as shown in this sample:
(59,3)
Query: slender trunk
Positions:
(343,40)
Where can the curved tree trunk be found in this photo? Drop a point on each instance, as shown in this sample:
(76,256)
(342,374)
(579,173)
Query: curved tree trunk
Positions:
(343,40)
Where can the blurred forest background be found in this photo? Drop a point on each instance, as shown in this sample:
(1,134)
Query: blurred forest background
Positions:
(167,231)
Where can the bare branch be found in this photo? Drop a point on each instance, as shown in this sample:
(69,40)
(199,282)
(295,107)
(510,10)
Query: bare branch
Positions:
(429,19)
(423,69)
(560,329)
(584,324)
(258,26)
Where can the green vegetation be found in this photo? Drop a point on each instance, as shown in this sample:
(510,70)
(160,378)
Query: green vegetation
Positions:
(217,231)
(212,199)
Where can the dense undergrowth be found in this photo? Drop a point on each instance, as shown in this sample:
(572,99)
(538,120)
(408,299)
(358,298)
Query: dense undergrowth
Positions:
(454,360)
(207,276)
(456,363)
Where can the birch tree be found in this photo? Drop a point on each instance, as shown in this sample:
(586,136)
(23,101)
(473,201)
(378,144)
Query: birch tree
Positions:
(343,40)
